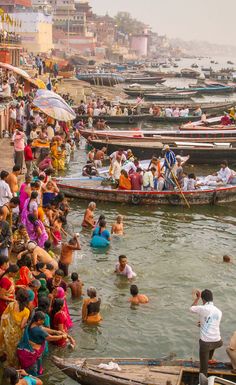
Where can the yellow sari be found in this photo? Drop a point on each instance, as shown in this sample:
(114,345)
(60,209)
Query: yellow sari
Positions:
(11,332)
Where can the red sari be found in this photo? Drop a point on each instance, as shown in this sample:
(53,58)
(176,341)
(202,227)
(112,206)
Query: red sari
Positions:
(8,285)
(60,318)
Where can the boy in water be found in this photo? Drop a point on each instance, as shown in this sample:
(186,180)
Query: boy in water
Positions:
(118,227)
(67,253)
(137,298)
(76,286)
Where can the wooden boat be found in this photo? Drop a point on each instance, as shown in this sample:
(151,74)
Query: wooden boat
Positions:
(145,80)
(141,371)
(190,73)
(210,89)
(174,95)
(137,90)
(100,79)
(176,133)
(209,108)
(91,189)
(131,119)
(200,153)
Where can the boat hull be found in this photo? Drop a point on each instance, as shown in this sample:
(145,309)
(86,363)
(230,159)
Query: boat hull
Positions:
(77,189)
(198,155)
(139,371)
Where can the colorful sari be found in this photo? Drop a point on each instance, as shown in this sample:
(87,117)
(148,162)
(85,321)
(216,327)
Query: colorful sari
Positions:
(25,276)
(11,332)
(61,294)
(60,318)
(29,357)
(23,195)
(33,234)
(28,209)
(8,285)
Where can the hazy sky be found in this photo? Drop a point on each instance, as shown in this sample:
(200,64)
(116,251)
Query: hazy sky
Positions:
(210,20)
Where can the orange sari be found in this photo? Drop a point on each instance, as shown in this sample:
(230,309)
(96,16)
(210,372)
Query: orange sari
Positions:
(124,183)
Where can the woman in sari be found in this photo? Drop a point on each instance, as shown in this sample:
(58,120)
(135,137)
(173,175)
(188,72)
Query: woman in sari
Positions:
(19,377)
(91,307)
(26,277)
(7,287)
(36,230)
(59,293)
(12,325)
(25,191)
(30,207)
(124,181)
(59,320)
(32,345)
(101,236)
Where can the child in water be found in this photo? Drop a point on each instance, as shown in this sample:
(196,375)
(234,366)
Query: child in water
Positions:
(76,286)
(137,298)
(118,226)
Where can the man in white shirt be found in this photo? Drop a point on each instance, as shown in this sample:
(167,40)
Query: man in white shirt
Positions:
(113,156)
(116,168)
(225,175)
(209,323)
(5,192)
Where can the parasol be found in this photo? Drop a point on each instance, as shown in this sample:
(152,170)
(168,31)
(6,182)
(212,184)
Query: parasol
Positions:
(16,70)
(54,106)
(37,83)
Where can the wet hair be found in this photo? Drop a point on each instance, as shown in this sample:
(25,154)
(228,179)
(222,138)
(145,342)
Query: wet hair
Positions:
(59,272)
(57,306)
(39,266)
(122,257)
(16,168)
(22,297)
(3,259)
(12,375)
(43,304)
(38,316)
(74,276)
(4,174)
(191,176)
(92,292)
(25,260)
(50,267)
(102,217)
(134,290)
(47,245)
(102,223)
(207,295)
(226,258)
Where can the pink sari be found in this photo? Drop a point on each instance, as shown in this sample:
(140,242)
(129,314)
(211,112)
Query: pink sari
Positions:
(23,196)
(61,294)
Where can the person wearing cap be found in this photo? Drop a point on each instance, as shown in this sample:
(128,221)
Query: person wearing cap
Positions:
(170,160)
(209,323)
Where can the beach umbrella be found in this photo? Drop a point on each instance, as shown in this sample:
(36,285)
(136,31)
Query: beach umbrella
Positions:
(16,70)
(55,107)
(37,83)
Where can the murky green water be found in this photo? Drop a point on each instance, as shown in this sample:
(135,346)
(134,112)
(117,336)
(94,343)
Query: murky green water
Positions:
(172,250)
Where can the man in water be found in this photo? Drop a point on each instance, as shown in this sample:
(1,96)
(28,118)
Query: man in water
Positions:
(209,323)
(122,268)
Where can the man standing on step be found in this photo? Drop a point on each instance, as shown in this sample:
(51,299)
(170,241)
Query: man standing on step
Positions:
(209,323)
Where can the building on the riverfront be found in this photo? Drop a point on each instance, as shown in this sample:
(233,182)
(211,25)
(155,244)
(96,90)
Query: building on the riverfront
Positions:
(35,31)
(139,43)
(11,6)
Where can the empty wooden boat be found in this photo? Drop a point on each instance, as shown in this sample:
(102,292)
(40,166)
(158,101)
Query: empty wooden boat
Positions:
(139,371)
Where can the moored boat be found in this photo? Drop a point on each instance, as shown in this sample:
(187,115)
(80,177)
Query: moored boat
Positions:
(140,371)
(174,95)
(200,153)
(145,80)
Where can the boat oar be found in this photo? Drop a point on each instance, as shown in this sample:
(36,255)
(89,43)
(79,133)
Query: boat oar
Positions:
(177,184)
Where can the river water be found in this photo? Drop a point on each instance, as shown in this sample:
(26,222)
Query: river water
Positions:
(172,250)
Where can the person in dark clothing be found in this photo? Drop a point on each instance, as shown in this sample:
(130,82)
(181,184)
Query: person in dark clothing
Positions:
(5,235)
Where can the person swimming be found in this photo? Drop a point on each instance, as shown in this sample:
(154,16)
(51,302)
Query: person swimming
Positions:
(137,298)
